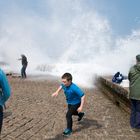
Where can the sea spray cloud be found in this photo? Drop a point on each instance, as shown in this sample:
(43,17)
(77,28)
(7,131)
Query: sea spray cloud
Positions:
(64,36)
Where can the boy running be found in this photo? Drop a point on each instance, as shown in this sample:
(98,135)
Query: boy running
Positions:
(75,100)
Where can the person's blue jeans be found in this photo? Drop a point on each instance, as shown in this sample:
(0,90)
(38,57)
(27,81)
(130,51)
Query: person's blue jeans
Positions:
(1,118)
(135,114)
(23,71)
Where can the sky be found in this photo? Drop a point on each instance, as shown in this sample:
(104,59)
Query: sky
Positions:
(84,37)
(123,15)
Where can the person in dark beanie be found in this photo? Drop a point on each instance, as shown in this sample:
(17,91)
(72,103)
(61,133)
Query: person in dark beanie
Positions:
(5,93)
(24,63)
(75,100)
(134,95)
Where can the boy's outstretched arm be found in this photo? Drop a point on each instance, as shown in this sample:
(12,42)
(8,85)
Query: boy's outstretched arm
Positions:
(57,91)
(82,104)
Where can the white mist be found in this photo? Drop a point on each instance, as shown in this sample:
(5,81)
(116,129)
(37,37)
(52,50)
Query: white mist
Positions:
(72,37)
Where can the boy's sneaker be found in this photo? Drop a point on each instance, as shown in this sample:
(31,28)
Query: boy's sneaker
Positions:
(67,132)
(81,115)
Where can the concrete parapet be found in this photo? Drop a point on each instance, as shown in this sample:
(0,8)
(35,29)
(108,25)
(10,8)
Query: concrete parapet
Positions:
(117,93)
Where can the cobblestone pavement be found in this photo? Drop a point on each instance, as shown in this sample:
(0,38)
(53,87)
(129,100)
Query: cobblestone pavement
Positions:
(32,114)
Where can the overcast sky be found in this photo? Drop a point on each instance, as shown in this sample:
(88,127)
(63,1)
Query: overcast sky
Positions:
(123,15)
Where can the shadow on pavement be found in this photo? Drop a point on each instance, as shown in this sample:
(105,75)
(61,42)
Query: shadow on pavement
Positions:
(84,124)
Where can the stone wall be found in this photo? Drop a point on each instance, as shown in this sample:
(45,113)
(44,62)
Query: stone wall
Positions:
(115,92)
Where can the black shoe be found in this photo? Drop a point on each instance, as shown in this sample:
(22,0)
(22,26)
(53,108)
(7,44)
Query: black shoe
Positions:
(81,115)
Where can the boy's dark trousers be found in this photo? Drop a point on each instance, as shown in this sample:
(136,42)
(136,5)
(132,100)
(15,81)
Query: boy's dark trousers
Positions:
(72,110)
(135,114)
(1,118)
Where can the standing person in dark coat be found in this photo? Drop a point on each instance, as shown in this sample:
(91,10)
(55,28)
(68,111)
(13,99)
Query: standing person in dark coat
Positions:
(24,65)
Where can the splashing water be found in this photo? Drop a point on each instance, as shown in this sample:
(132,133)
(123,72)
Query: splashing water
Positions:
(71,38)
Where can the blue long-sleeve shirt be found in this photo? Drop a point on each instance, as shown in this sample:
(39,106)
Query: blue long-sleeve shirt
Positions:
(5,91)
